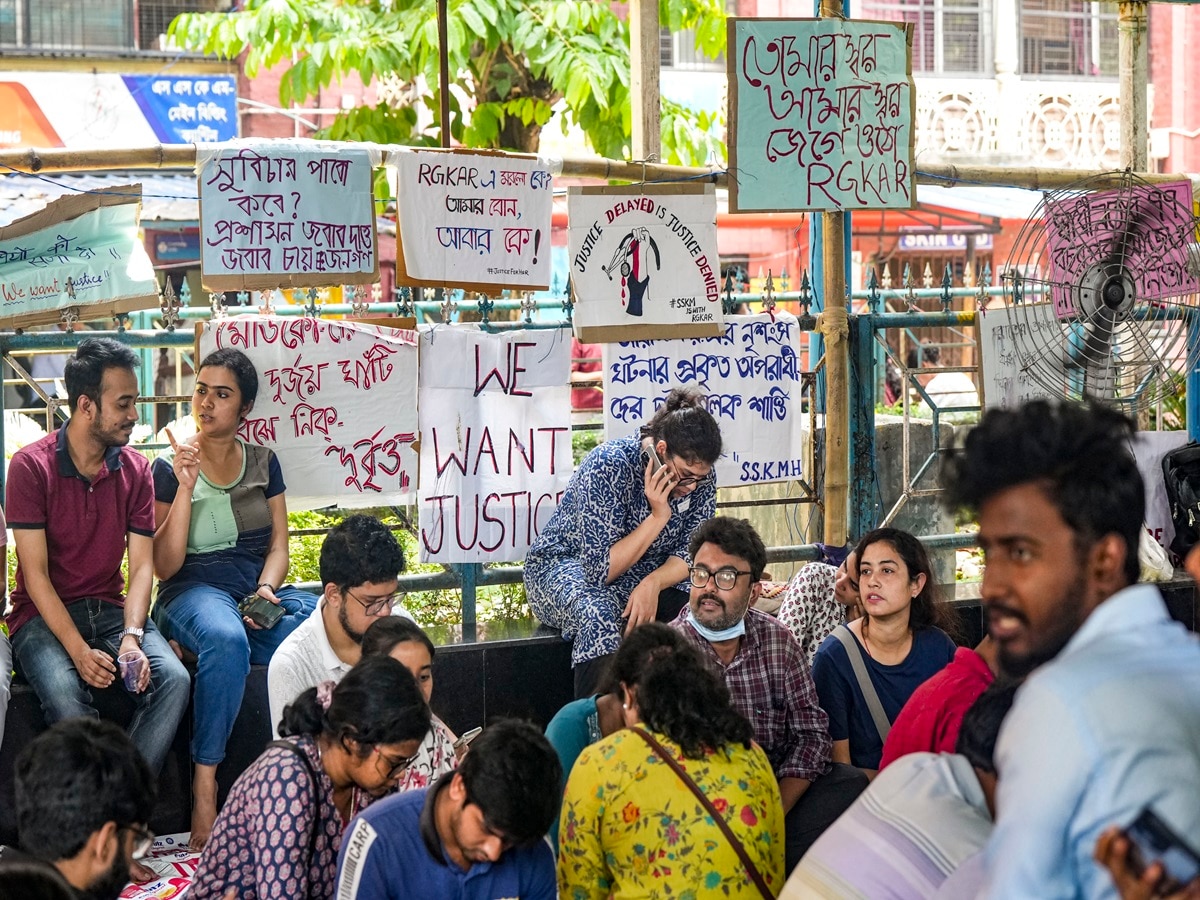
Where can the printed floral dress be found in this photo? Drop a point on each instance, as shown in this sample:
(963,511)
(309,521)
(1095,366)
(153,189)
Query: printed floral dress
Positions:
(631,828)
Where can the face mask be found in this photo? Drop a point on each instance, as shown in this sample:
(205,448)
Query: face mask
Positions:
(713,637)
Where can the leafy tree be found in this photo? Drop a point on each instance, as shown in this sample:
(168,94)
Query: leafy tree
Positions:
(513,61)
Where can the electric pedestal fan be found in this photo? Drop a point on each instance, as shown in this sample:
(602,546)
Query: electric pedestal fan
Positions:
(1099,291)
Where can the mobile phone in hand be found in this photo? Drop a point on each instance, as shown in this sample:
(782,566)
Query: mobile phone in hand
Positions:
(261,611)
(464,739)
(651,452)
(1152,840)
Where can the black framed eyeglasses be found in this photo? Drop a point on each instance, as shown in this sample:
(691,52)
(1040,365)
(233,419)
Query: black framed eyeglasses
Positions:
(143,839)
(725,578)
(375,605)
(395,768)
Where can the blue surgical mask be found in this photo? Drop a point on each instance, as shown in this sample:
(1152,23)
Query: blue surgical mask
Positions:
(727,634)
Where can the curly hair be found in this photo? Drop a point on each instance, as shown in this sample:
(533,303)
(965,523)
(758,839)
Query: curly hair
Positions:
(1080,454)
(736,537)
(358,550)
(684,422)
(679,695)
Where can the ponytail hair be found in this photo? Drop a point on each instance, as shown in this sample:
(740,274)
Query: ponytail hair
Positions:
(378,702)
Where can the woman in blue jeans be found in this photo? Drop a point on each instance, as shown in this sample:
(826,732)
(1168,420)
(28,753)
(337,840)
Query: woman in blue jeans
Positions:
(221,535)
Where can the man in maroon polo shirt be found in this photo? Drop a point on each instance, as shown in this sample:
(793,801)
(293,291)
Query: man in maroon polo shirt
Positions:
(77,500)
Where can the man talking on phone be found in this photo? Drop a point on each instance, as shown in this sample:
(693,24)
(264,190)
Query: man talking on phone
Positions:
(1108,721)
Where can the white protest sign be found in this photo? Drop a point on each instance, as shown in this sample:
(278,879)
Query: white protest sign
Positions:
(751,376)
(286,214)
(80,251)
(644,262)
(472,220)
(1007,341)
(337,402)
(495,440)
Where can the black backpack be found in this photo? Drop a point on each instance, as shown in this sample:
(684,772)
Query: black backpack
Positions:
(1181,477)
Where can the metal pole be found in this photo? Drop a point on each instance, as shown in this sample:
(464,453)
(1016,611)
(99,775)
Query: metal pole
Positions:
(444,70)
(644,64)
(1133,66)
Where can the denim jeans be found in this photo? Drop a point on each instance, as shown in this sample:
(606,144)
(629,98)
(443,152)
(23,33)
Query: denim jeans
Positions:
(6,669)
(63,694)
(206,621)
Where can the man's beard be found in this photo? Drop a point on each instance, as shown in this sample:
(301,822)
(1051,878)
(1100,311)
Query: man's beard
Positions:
(344,621)
(1069,620)
(109,885)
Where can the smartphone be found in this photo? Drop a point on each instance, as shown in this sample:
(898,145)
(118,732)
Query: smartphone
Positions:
(652,454)
(464,739)
(260,611)
(1152,840)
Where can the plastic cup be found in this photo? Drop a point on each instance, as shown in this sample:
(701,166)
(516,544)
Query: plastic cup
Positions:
(131,669)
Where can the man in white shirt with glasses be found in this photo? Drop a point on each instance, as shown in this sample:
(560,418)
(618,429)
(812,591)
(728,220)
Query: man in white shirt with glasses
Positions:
(360,562)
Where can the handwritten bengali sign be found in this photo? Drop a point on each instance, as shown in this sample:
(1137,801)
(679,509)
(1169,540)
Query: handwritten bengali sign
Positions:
(477,221)
(337,402)
(286,214)
(644,262)
(820,115)
(80,251)
(1011,342)
(495,440)
(1144,229)
(751,376)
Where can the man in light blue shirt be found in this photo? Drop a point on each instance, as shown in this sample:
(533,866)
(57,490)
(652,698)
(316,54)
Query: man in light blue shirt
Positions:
(1109,722)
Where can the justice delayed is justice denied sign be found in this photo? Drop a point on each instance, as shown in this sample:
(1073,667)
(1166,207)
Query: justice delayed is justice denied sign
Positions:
(644,262)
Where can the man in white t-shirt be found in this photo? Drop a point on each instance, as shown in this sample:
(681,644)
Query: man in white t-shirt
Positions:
(360,562)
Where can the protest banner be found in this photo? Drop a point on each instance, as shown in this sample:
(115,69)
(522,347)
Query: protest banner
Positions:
(286,214)
(1004,339)
(477,221)
(80,251)
(751,377)
(495,440)
(644,262)
(1140,233)
(820,115)
(337,402)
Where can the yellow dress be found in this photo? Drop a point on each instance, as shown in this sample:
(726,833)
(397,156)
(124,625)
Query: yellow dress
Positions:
(631,828)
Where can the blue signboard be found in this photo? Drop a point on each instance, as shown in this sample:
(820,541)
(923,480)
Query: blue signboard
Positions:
(188,109)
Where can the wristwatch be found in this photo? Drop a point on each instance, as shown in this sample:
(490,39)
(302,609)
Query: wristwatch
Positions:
(138,633)
(267,585)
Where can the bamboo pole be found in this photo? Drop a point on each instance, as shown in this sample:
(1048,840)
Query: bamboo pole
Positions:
(183,156)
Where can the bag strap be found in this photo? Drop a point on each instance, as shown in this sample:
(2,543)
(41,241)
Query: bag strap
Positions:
(316,792)
(859,665)
(666,757)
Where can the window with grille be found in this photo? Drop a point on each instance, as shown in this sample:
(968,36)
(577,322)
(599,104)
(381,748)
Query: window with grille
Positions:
(677,50)
(949,36)
(1072,38)
(81,25)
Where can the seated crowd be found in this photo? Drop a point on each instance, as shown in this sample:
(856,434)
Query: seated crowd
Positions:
(845,748)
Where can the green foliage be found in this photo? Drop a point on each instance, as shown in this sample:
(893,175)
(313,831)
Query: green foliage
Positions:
(583,442)
(514,60)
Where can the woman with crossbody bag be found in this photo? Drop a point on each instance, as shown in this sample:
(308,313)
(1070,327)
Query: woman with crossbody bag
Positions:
(679,803)
(280,830)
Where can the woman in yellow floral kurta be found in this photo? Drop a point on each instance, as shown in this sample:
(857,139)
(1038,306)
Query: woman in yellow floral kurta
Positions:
(631,828)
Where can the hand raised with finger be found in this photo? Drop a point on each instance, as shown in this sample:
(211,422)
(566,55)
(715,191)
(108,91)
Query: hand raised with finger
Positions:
(187,462)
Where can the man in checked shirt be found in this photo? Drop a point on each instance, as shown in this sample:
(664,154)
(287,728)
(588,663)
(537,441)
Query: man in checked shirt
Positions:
(768,676)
